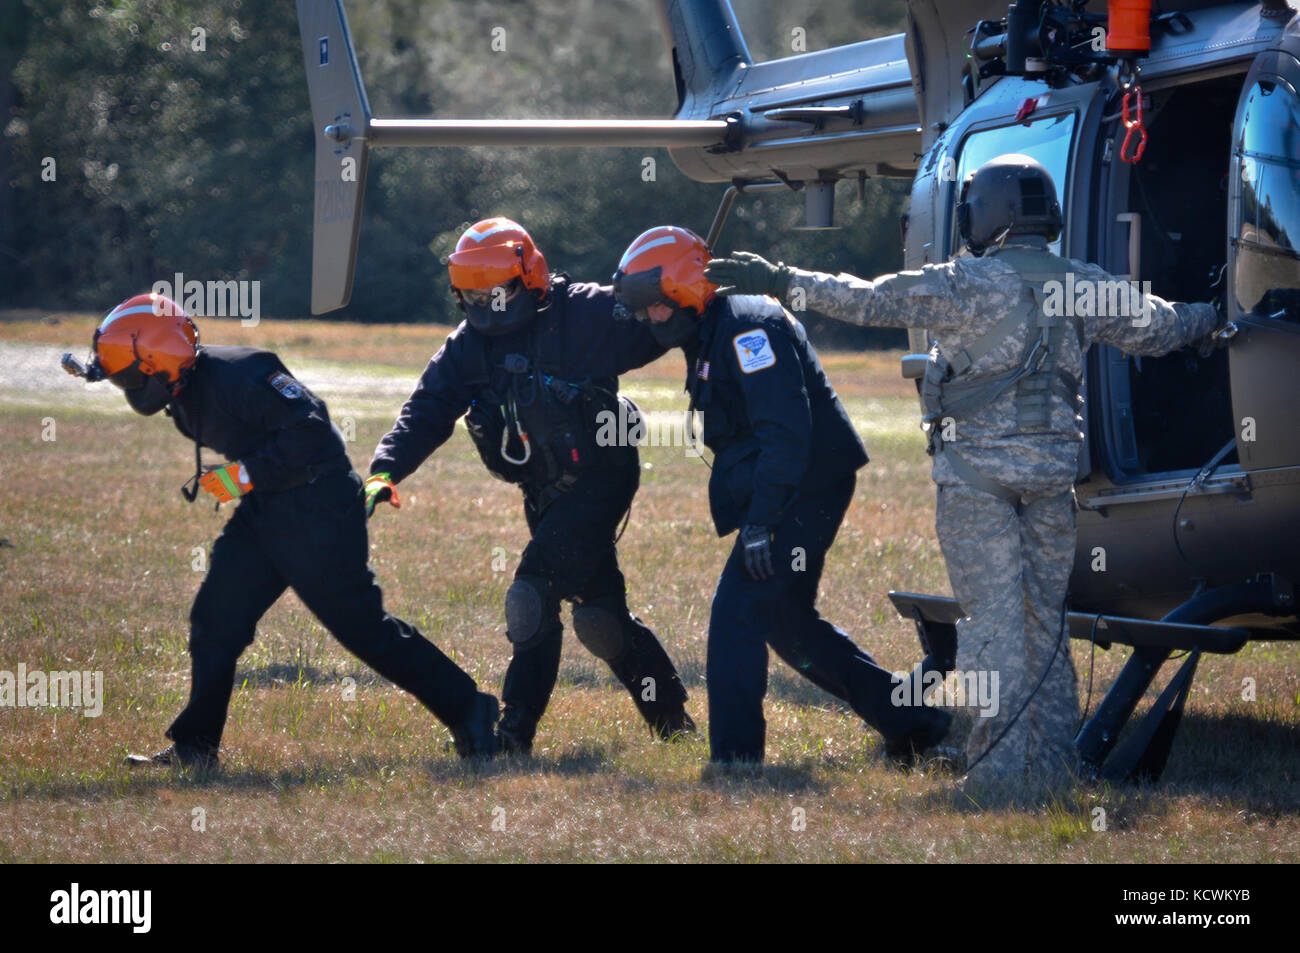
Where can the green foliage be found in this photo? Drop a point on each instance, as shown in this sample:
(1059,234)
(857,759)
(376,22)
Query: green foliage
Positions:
(199,161)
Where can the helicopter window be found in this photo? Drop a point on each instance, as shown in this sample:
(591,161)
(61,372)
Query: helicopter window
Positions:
(1267,237)
(1047,140)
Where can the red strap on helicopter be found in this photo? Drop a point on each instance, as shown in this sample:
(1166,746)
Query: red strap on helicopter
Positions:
(1133,126)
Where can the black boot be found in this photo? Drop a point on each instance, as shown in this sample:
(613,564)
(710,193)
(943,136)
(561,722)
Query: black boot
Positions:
(672,726)
(644,658)
(929,727)
(516,730)
(475,736)
(178,755)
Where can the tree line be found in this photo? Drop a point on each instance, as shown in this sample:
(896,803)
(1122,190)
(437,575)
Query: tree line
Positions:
(147,137)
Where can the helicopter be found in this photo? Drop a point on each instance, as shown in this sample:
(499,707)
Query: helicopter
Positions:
(1173,136)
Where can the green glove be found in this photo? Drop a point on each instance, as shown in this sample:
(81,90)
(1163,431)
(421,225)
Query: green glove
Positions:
(745,273)
(379,487)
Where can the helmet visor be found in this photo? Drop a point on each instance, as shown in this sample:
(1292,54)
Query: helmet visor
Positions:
(638,291)
(482,269)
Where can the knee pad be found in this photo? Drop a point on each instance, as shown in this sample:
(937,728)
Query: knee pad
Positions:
(525,606)
(600,631)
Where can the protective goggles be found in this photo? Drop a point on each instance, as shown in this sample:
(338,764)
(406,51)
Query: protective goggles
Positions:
(485,297)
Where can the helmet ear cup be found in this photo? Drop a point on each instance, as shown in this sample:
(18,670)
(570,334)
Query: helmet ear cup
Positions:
(968,215)
(963,221)
(1055,220)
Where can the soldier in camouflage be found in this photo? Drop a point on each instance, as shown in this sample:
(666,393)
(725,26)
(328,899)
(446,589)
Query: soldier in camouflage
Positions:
(1002,398)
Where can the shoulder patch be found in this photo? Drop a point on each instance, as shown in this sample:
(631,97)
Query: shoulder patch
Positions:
(753,350)
(286,385)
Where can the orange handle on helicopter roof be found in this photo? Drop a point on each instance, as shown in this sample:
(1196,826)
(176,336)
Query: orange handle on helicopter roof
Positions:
(1129,27)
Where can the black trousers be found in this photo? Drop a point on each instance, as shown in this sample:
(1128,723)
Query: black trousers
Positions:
(572,549)
(313,540)
(748,616)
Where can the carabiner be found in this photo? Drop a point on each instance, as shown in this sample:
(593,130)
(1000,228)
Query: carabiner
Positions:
(1133,125)
(523,438)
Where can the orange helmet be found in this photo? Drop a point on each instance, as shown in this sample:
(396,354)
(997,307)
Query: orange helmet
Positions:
(497,253)
(664,264)
(493,252)
(143,336)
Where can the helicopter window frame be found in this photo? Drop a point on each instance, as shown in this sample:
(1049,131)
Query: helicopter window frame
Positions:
(1061,168)
(1255,170)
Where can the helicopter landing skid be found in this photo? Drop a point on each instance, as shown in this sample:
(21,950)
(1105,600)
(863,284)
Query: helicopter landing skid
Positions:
(1146,747)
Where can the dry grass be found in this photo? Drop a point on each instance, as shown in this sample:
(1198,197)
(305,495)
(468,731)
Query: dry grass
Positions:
(96,573)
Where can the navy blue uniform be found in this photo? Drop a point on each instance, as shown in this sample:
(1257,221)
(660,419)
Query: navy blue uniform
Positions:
(786,458)
(577,341)
(303,526)
(550,380)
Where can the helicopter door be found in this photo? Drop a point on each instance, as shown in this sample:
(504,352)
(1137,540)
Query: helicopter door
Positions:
(1263,289)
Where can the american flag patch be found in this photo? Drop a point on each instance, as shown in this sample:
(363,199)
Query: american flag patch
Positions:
(702,369)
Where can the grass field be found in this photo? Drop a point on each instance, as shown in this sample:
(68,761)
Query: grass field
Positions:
(322,761)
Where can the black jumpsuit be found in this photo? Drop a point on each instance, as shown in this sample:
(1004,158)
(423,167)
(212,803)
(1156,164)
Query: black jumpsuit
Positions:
(554,376)
(785,457)
(303,526)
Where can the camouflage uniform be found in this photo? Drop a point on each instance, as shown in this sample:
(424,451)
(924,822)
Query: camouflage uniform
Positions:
(1009,564)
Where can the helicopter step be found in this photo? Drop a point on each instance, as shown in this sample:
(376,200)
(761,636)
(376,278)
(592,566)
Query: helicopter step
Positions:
(1146,747)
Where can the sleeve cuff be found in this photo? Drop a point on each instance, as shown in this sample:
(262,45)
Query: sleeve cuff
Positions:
(768,506)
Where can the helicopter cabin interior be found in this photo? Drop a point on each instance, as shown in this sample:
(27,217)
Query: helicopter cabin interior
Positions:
(1163,415)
